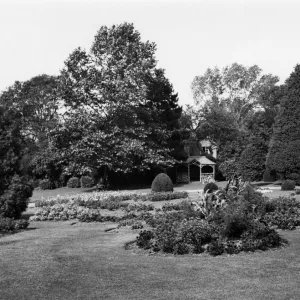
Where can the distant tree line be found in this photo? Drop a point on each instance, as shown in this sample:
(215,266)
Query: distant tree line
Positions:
(112,112)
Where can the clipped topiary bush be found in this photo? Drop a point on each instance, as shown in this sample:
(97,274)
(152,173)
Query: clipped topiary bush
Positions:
(86,181)
(162,183)
(288,185)
(210,187)
(73,182)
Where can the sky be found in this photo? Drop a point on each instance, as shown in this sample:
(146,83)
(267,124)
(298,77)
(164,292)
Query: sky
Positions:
(37,36)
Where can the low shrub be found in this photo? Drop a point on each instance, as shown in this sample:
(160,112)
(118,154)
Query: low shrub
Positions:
(64,212)
(282,213)
(163,196)
(10,225)
(210,187)
(144,239)
(295,177)
(288,185)
(216,248)
(45,184)
(137,225)
(86,181)
(162,183)
(73,182)
(138,207)
(297,191)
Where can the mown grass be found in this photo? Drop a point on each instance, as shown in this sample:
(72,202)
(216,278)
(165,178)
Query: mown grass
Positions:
(63,260)
(57,260)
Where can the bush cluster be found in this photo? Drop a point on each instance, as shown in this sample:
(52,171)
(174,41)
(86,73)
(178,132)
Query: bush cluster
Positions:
(8,225)
(243,225)
(162,183)
(288,185)
(196,235)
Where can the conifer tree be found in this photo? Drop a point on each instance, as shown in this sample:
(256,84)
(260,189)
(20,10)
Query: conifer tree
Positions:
(284,151)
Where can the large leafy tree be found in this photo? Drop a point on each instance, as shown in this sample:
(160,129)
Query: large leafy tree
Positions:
(114,117)
(237,88)
(236,110)
(284,151)
(37,101)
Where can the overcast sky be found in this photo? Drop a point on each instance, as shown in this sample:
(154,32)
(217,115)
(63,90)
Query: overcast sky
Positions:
(36,37)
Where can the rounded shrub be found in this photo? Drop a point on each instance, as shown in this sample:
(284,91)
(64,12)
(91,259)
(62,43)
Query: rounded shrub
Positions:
(162,183)
(45,184)
(288,185)
(73,182)
(210,187)
(86,181)
(295,177)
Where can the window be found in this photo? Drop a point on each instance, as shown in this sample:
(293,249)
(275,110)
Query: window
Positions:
(205,149)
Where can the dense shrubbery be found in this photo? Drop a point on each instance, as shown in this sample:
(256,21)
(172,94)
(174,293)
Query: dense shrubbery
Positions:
(288,185)
(162,183)
(8,225)
(73,182)
(244,224)
(210,187)
(172,234)
(86,181)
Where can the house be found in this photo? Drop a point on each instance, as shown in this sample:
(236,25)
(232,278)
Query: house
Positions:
(197,167)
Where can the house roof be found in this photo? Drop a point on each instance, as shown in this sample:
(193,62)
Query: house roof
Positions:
(201,159)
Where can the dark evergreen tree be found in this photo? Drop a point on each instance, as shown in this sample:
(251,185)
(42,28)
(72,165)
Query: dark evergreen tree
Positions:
(284,151)
(161,95)
(14,192)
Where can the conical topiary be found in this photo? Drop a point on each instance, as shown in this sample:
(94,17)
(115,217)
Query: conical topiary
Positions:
(162,183)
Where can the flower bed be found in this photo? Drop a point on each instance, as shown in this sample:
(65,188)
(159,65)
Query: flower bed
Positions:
(246,223)
(108,200)
(86,199)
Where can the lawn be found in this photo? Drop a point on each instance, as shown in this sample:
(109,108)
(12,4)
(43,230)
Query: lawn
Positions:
(57,260)
(73,260)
